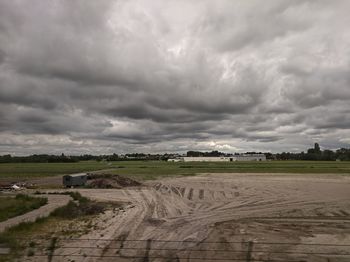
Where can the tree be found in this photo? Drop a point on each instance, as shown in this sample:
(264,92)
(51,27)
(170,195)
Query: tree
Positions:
(317,148)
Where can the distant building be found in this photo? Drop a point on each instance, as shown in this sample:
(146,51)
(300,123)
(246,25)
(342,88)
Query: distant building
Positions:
(242,157)
(251,157)
(206,159)
(175,160)
(75,180)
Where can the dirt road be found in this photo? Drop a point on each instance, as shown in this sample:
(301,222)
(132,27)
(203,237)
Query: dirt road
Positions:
(226,217)
(53,202)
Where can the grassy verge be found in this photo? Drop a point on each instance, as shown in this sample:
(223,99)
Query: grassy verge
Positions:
(29,170)
(84,207)
(146,170)
(18,205)
(155,169)
(72,220)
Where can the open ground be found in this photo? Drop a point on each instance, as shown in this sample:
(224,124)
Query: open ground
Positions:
(244,217)
(155,169)
(247,216)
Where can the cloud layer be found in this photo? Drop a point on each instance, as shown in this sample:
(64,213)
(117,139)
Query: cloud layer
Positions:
(155,76)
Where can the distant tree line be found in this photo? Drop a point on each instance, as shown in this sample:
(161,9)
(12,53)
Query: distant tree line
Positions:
(45,158)
(215,154)
(201,154)
(37,159)
(315,153)
(342,154)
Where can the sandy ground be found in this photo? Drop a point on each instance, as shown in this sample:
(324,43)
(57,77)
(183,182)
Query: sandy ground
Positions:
(53,202)
(221,217)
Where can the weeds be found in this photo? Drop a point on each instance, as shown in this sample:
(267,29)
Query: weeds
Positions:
(79,208)
(75,195)
(74,210)
(18,205)
(10,238)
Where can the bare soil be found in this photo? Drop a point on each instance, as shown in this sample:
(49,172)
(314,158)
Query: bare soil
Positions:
(97,179)
(220,217)
(42,182)
(104,180)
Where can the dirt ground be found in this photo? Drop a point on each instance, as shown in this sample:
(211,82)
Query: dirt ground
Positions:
(98,179)
(220,217)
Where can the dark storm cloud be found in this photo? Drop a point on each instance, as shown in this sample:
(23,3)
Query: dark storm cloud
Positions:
(105,76)
(19,90)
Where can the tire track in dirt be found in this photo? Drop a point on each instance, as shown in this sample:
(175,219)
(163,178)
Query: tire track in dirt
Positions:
(201,193)
(190,208)
(190,194)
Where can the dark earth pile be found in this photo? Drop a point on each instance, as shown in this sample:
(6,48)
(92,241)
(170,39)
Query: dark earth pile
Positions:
(110,181)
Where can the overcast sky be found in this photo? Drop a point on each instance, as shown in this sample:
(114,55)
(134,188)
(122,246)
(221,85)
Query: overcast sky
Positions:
(170,76)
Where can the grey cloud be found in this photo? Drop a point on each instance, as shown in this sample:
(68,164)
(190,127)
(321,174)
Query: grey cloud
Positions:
(32,118)
(108,76)
(319,86)
(2,56)
(238,25)
(335,121)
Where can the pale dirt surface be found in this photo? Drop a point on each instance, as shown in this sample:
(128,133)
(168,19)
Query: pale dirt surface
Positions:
(213,217)
(53,202)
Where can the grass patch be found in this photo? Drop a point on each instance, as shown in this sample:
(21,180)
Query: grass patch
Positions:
(147,170)
(30,238)
(80,206)
(156,169)
(19,205)
(30,170)
(13,238)
(74,210)
(75,195)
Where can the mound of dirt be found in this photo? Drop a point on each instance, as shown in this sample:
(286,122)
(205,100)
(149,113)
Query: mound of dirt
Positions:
(110,181)
(102,183)
(5,185)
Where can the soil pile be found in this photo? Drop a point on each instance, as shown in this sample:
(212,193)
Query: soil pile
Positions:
(110,181)
(5,185)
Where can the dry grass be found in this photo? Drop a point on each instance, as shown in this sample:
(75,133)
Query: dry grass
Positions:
(18,205)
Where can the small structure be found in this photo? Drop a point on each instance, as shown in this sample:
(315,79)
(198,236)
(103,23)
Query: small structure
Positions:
(75,180)
(175,160)
(251,157)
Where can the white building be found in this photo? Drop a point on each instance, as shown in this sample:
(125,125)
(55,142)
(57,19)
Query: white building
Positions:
(251,157)
(175,160)
(242,157)
(206,159)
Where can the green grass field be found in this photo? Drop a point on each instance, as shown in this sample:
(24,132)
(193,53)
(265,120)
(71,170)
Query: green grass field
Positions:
(154,169)
(22,170)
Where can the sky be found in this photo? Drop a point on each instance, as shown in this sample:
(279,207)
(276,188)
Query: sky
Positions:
(122,76)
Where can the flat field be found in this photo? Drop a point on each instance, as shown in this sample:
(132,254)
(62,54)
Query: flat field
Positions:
(147,170)
(219,217)
(28,170)
(156,169)
(251,211)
